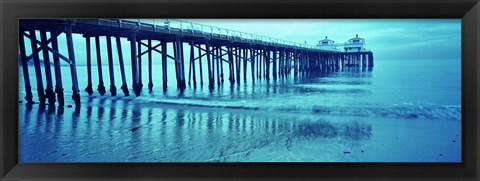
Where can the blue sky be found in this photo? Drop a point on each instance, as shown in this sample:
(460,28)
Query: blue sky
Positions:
(387,38)
(400,39)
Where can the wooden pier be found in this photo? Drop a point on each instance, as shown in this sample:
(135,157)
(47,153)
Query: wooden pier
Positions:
(268,58)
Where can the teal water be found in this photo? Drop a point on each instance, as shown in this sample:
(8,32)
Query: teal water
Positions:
(400,111)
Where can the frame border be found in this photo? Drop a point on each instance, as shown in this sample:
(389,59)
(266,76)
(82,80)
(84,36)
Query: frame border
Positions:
(12,10)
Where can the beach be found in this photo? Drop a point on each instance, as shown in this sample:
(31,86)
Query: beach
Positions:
(399,111)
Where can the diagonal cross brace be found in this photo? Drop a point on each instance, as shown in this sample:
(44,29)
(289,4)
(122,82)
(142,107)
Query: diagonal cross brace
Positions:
(45,45)
(155,49)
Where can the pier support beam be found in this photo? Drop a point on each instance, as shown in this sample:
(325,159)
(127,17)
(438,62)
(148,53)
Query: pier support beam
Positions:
(179,64)
(48,72)
(217,54)
(26,76)
(210,68)
(280,63)
(73,68)
(113,89)
(133,52)
(244,65)
(200,64)
(230,65)
(58,73)
(164,64)
(274,60)
(38,70)
(370,59)
(122,67)
(192,65)
(252,61)
(237,64)
(267,64)
(101,86)
(182,66)
(140,75)
(259,64)
(150,81)
(89,88)
(220,65)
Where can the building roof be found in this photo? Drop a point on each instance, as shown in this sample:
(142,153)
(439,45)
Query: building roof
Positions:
(326,39)
(356,38)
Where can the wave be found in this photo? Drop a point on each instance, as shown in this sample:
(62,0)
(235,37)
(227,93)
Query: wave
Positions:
(403,111)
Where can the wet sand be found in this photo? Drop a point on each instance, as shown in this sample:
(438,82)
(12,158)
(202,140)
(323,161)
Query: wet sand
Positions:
(107,129)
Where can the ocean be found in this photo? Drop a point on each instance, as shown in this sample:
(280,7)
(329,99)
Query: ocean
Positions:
(399,111)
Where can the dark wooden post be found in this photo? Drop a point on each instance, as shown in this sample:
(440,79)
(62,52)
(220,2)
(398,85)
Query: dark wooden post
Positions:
(38,70)
(133,52)
(164,65)
(113,89)
(26,75)
(150,81)
(192,64)
(230,65)
(215,58)
(73,68)
(280,63)
(220,63)
(140,82)
(252,61)
(176,49)
(89,88)
(58,73)
(182,66)
(209,66)
(295,63)
(274,69)
(48,72)
(122,67)
(237,63)
(370,59)
(101,86)
(267,64)
(259,64)
(200,64)
(245,65)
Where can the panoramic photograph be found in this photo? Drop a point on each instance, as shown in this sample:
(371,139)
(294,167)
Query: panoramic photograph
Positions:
(239,90)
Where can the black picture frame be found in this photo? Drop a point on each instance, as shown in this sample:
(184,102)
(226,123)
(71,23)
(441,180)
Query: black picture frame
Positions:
(467,10)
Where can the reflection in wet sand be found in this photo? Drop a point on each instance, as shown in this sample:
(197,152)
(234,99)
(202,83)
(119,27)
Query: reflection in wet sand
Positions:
(114,130)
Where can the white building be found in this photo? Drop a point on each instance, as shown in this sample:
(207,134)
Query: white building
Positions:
(355,45)
(326,44)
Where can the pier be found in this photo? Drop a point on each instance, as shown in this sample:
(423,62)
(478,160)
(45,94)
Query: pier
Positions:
(267,58)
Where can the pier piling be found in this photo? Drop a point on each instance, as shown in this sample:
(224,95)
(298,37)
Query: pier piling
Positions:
(58,73)
(26,75)
(122,66)
(38,70)
(150,81)
(101,86)
(46,62)
(164,64)
(133,52)
(113,89)
(140,75)
(73,66)
(89,88)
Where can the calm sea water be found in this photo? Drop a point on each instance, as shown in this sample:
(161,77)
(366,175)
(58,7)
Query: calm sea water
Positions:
(401,111)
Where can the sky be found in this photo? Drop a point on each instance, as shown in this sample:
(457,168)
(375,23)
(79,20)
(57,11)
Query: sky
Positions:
(389,39)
